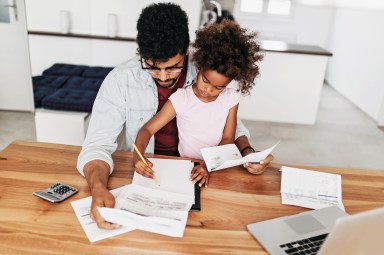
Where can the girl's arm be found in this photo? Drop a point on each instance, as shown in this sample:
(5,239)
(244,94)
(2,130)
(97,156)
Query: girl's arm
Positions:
(201,173)
(230,126)
(165,115)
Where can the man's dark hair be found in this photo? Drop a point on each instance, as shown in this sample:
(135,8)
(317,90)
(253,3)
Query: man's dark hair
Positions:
(162,32)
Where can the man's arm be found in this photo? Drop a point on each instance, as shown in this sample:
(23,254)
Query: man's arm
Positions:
(95,160)
(96,173)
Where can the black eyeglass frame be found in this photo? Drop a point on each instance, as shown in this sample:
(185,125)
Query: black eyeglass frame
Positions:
(168,70)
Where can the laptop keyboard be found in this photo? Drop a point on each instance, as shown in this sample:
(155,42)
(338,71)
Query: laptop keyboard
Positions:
(305,246)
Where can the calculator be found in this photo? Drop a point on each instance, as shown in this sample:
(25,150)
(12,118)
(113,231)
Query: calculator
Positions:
(57,192)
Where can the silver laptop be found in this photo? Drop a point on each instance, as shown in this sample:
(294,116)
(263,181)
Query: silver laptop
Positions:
(304,233)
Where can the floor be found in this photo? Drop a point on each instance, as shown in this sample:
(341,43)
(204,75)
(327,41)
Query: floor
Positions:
(343,136)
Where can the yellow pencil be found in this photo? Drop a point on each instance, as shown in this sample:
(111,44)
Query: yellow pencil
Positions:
(145,162)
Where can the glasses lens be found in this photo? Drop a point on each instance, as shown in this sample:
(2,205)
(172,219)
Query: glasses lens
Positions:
(157,71)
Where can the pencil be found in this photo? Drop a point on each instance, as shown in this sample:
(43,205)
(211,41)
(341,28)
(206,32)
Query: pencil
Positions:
(145,162)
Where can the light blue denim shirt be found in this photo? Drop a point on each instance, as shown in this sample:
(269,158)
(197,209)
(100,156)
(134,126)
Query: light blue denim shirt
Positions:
(127,99)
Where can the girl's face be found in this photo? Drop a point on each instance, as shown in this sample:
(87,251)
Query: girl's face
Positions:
(210,84)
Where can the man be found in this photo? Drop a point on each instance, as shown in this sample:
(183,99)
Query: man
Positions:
(132,94)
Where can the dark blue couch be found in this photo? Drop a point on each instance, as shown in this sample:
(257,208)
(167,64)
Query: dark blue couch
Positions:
(68,87)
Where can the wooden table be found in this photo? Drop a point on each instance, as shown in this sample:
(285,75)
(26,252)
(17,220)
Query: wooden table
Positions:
(30,225)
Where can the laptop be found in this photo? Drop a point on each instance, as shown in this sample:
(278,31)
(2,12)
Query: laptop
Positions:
(323,231)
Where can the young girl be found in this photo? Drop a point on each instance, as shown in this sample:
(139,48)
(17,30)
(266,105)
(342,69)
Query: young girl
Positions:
(206,112)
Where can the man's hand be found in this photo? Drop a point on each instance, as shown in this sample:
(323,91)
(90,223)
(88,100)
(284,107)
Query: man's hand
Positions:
(96,173)
(101,197)
(200,173)
(259,168)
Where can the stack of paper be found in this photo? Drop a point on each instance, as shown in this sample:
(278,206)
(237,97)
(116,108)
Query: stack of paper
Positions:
(82,208)
(310,189)
(151,210)
(144,205)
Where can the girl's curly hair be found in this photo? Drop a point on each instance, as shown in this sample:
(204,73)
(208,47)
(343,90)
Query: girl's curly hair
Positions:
(229,50)
(162,32)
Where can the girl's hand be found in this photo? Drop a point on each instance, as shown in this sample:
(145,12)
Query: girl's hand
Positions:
(142,168)
(200,173)
(260,167)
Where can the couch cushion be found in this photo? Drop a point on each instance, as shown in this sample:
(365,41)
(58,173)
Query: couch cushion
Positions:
(39,93)
(53,82)
(96,72)
(70,100)
(83,83)
(65,69)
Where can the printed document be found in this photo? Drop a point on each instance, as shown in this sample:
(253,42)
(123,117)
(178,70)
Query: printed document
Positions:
(82,208)
(151,210)
(225,156)
(310,189)
(162,208)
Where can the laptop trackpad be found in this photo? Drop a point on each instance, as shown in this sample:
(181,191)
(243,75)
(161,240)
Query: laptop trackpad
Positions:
(304,224)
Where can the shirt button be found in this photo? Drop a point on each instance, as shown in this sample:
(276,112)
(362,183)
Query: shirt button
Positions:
(141,119)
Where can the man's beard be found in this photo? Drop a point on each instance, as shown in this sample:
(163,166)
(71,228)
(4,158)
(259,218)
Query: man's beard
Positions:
(172,82)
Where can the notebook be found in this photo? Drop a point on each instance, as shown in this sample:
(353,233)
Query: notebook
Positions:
(323,231)
(196,207)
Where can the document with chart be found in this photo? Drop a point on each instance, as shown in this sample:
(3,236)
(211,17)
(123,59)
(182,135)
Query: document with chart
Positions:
(156,211)
(310,189)
(82,208)
(228,155)
(160,208)
(156,207)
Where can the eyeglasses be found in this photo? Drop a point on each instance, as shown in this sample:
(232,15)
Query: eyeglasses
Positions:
(157,71)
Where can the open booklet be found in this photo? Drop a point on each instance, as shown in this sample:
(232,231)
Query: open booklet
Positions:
(310,189)
(156,211)
(146,205)
(225,156)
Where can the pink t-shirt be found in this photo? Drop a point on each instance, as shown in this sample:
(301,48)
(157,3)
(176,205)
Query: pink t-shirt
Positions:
(201,124)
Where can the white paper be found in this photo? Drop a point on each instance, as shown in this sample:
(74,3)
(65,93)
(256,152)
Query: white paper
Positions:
(310,189)
(173,175)
(151,202)
(150,210)
(162,208)
(82,208)
(159,225)
(225,156)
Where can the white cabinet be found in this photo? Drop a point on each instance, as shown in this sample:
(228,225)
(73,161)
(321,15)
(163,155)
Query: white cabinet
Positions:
(90,17)
(289,86)
(64,127)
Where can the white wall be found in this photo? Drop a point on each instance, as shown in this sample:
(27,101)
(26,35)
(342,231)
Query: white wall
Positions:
(352,31)
(90,17)
(356,68)
(307,25)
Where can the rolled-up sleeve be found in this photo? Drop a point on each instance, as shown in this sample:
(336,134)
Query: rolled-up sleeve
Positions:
(106,123)
(241,130)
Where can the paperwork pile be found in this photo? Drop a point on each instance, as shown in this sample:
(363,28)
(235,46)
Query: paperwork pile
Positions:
(310,189)
(144,205)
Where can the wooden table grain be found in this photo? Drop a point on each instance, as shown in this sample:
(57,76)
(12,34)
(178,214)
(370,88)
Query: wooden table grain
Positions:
(235,198)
